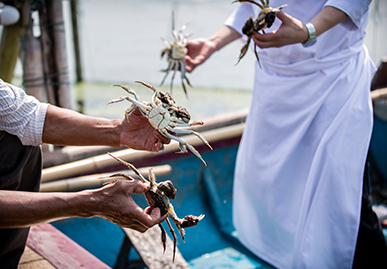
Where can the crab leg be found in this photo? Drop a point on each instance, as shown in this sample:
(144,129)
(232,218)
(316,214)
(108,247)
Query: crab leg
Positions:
(147,85)
(174,238)
(253,2)
(163,237)
(176,220)
(128,90)
(174,73)
(135,102)
(173,25)
(152,177)
(181,141)
(256,55)
(114,180)
(179,131)
(119,99)
(131,166)
(166,43)
(169,68)
(175,123)
(183,71)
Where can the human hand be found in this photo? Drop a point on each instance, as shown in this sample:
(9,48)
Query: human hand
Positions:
(115,204)
(198,51)
(291,31)
(138,134)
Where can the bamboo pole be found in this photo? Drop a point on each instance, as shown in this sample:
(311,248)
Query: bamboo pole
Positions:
(62,83)
(54,53)
(379,94)
(9,50)
(47,58)
(77,51)
(102,161)
(31,56)
(97,180)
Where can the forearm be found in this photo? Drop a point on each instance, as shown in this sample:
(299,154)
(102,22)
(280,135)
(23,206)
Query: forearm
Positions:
(23,209)
(224,36)
(67,127)
(327,18)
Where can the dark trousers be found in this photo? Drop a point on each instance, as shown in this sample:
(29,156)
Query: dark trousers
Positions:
(371,249)
(20,169)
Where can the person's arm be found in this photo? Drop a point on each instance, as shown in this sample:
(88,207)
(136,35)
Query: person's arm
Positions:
(293,31)
(199,50)
(112,202)
(67,127)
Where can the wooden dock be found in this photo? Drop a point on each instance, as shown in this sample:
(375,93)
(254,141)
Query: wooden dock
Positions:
(47,247)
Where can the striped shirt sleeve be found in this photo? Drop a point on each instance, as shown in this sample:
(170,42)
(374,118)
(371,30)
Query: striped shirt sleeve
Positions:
(21,114)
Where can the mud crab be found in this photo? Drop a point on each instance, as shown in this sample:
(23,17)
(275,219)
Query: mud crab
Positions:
(164,115)
(265,19)
(159,195)
(175,52)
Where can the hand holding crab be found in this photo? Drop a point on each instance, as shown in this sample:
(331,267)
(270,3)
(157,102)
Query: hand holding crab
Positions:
(164,115)
(265,19)
(176,52)
(158,196)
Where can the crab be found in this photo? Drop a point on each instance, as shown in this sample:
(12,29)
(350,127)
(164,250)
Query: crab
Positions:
(175,52)
(159,195)
(164,115)
(265,19)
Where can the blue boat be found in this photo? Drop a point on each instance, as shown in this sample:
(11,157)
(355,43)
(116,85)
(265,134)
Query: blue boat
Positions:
(200,190)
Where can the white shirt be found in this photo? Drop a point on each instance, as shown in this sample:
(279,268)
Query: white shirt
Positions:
(21,114)
(298,178)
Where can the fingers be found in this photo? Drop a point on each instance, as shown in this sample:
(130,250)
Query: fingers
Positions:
(131,186)
(265,40)
(291,31)
(154,214)
(283,16)
(147,219)
(160,140)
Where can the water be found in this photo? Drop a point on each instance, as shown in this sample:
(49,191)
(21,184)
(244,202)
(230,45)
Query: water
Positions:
(121,41)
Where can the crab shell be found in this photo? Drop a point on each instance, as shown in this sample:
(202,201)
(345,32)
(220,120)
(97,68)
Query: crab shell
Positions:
(155,199)
(178,51)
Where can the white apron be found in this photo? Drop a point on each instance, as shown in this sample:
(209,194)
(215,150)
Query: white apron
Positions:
(299,171)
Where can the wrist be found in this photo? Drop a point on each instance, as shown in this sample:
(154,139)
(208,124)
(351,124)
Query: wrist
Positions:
(214,43)
(117,131)
(87,203)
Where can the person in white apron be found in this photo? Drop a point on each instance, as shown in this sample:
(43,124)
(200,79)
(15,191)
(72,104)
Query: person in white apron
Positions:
(298,184)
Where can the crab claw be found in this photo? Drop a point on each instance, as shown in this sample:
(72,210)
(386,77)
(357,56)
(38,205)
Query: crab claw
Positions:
(190,221)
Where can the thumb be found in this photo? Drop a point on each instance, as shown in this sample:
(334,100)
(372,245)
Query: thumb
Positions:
(283,16)
(155,214)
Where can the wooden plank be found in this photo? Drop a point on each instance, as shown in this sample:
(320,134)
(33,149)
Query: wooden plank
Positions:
(150,249)
(379,94)
(59,250)
(31,259)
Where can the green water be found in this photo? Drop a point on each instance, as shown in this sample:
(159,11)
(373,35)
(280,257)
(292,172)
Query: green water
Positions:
(201,103)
